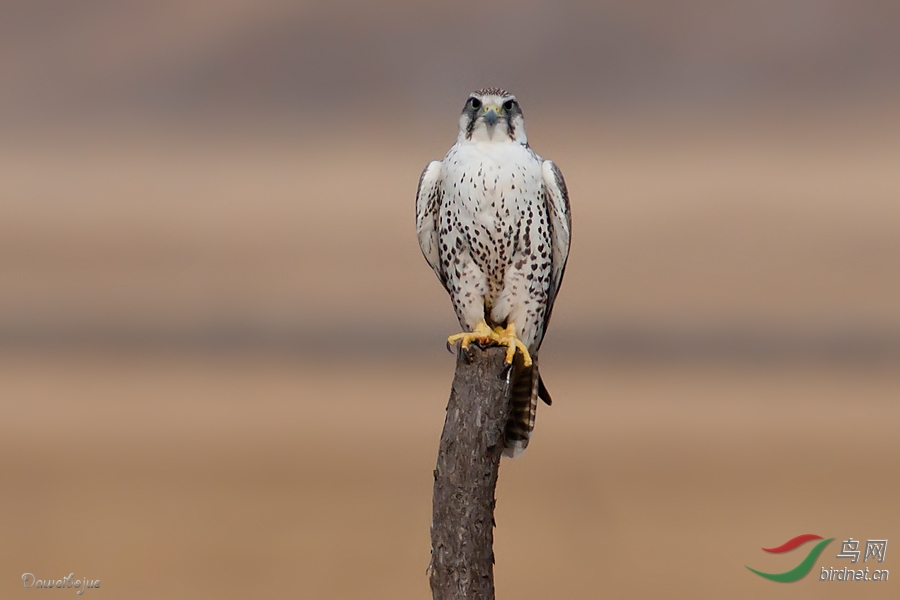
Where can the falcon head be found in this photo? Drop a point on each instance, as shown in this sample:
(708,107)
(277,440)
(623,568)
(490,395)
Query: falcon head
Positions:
(492,115)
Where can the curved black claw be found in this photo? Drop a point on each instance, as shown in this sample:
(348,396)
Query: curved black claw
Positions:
(506,370)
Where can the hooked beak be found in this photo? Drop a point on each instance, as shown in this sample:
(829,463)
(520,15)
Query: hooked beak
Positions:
(491,114)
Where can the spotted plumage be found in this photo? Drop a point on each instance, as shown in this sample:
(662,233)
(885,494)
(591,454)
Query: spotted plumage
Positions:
(493,222)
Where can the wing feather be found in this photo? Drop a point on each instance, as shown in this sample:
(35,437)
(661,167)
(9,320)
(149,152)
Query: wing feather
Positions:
(428,202)
(556,197)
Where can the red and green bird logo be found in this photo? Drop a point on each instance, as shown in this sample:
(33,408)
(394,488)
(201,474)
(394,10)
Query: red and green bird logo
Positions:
(805,566)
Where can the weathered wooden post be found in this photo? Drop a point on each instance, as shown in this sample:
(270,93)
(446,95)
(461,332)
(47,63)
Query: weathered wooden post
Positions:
(462,521)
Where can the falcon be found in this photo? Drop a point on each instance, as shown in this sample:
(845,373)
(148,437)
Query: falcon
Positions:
(493,222)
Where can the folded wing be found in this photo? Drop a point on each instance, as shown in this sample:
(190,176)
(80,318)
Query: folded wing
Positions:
(556,197)
(428,202)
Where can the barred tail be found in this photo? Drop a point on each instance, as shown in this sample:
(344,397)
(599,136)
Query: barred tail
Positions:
(527,387)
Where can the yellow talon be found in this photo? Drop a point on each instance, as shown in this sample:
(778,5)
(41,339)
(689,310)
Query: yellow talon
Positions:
(500,336)
(482,334)
(507,337)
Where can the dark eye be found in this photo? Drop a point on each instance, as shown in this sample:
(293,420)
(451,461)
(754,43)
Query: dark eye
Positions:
(509,104)
(475,103)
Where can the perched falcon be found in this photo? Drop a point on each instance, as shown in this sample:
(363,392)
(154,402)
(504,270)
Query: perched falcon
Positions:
(493,222)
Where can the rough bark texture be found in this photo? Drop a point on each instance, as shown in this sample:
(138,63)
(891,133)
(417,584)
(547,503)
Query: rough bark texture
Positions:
(462,536)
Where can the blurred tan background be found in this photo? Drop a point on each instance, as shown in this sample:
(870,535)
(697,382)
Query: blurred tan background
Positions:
(222,370)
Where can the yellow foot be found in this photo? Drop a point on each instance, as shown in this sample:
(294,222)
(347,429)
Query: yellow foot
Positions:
(482,335)
(507,337)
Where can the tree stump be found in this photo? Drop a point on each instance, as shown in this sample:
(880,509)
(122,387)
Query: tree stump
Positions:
(462,522)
